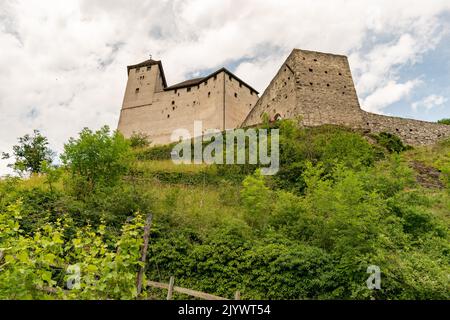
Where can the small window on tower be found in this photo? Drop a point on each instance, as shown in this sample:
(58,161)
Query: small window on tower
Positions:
(209,94)
(137,90)
(235,95)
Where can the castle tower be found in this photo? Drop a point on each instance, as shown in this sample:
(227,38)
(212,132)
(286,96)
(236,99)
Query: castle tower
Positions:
(316,86)
(219,100)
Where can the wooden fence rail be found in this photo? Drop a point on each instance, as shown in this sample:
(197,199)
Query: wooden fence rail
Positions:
(170,287)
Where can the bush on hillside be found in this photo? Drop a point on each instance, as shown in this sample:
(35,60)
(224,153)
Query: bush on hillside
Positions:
(96,158)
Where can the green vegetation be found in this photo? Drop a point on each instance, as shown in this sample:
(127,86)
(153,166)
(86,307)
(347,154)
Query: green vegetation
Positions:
(340,203)
(30,154)
(444,121)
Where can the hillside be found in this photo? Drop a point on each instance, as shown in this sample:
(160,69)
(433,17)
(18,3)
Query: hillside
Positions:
(341,202)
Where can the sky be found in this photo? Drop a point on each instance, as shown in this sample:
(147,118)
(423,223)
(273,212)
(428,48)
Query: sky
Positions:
(63,63)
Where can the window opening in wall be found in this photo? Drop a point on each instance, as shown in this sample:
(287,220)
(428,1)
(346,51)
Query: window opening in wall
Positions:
(215,78)
(310,70)
(137,90)
(176,91)
(173,108)
(340,73)
(310,83)
(230,77)
(198,87)
(240,84)
(168,116)
(173,102)
(235,95)
(188,89)
(209,94)
(315,60)
(206,83)
(138,69)
(326,72)
(328,84)
(149,68)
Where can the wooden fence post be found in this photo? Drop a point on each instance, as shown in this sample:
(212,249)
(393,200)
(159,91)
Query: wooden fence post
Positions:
(170,292)
(140,275)
(237,295)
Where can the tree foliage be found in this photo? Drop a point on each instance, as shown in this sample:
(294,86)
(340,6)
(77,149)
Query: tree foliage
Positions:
(96,158)
(30,153)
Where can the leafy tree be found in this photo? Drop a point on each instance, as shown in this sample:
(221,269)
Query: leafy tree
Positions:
(30,153)
(96,158)
(444,121)
(139,140)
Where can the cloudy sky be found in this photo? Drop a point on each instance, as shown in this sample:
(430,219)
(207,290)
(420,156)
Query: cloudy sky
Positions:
(63,63)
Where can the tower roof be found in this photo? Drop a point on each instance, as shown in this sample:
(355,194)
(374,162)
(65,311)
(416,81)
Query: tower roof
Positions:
(149,63)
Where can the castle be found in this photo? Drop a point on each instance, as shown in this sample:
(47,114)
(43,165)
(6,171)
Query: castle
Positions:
(316,86)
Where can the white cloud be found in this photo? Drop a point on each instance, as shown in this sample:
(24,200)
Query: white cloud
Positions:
(429,102)
(63,62)
(392,92)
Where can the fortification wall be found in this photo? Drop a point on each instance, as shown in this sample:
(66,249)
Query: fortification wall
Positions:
(239,100)
(325,90)
(218,102)
(412,132)
(279,98)
(317,86)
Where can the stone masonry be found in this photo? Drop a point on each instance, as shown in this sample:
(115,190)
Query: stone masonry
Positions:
(319,88)
(316,87)
(220,100)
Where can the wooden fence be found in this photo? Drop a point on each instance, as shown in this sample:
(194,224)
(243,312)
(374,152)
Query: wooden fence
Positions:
(171,288)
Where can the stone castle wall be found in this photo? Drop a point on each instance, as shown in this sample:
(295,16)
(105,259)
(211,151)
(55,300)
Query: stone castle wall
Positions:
(220,102)
(412,132)
(319,88)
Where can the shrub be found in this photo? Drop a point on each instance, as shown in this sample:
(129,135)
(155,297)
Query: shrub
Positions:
(139,140)
(391,142)
(96,158)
